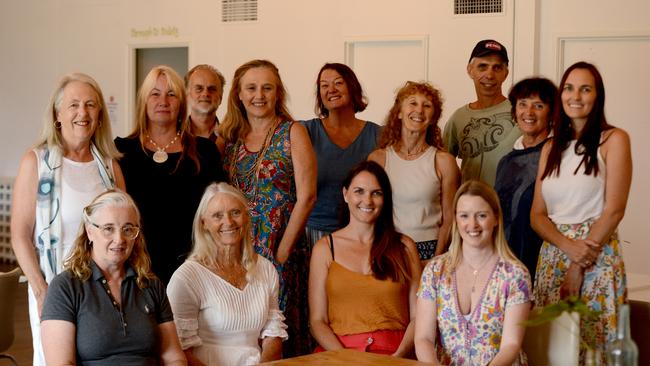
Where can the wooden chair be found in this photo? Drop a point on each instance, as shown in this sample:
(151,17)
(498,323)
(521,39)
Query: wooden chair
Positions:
(554,344)
(8,287)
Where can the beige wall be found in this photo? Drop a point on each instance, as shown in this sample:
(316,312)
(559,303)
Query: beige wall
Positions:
(42,40)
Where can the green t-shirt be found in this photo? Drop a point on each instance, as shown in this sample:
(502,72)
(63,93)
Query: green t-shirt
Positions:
(480,138)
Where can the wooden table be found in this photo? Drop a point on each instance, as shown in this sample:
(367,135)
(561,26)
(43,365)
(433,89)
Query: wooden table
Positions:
(345,357)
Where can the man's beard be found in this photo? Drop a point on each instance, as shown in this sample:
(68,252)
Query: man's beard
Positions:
(203,110)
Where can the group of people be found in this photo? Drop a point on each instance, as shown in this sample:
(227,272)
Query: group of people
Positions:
(207,242)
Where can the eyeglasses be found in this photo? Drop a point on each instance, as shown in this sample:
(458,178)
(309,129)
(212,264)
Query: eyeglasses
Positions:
(130,232)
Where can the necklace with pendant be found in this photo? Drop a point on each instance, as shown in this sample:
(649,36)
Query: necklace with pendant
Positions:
(476,271)
(161,156)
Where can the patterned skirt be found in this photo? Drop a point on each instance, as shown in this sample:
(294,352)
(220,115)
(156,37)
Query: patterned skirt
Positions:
(603,288)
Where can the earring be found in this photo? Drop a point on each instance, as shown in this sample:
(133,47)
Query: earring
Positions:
(57,125)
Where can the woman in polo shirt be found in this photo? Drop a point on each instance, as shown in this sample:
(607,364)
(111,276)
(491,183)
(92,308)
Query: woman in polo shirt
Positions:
(108,308)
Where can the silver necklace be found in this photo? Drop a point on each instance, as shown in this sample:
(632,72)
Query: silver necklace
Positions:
(417,150)
(476,271)
(161,156)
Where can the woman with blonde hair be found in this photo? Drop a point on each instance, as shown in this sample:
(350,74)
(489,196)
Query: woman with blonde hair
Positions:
(166,168)
(270,159)
(72,162)
(476,295)
(225,296)
(423,175)
(108,286)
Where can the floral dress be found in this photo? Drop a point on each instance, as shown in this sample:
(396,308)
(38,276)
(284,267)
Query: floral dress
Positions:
(474,339)
(266,178)
(604,283)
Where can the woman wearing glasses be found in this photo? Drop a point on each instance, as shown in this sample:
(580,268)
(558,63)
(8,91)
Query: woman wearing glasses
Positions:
(108,307)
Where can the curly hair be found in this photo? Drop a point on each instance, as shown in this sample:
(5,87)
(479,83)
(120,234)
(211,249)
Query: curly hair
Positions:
(392,131)
(78,262)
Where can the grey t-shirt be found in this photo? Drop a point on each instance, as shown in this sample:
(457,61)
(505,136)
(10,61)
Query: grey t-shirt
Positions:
(481,137)
(106,334)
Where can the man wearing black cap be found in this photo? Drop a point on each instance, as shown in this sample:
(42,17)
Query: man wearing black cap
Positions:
(482,132)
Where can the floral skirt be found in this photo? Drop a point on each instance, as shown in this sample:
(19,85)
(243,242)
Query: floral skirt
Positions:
(603,288)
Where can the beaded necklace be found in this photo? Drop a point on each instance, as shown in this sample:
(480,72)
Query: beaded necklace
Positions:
(250,176)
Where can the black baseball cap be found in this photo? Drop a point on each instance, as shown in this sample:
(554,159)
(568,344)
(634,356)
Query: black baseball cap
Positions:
(487,47)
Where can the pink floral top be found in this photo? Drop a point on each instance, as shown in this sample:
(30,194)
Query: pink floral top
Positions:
(474,340)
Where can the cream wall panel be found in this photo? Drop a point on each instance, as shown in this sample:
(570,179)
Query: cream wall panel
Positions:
(614,36)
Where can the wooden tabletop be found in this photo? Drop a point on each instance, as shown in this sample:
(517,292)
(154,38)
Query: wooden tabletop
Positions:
(345,357)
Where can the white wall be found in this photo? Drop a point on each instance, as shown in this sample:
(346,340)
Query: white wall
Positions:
(41,40)
(45,40)
(616,37)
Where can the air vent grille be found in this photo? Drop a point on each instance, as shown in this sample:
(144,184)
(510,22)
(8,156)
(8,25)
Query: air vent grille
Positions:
(238,11)
(462,7)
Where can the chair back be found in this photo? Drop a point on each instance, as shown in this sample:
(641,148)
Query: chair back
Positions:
(8,287)
(556,343)
(640,328)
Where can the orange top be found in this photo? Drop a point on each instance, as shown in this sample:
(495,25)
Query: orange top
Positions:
(359,303)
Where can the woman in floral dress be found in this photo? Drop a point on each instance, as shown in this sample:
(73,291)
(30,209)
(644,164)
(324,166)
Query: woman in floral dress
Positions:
(475,296)
(270,159)
(581,192)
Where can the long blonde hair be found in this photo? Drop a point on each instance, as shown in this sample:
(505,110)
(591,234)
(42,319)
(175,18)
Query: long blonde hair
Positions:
(102,137)
(235,124)
(176,84)
(78,262)
(204,248)
(479,189)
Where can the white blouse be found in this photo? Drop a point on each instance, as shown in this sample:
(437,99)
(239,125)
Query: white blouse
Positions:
(222,322)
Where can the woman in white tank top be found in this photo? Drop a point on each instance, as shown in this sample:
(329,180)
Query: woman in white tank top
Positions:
(581,192)
(72,162)
(423,176)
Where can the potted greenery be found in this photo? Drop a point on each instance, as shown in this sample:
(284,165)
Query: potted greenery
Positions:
(553,337)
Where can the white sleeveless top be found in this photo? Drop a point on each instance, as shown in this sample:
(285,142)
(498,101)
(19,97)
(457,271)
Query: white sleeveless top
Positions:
(416,194)
(81,183)
(574,199)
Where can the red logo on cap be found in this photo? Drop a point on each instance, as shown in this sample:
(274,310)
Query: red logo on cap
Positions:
(493,46)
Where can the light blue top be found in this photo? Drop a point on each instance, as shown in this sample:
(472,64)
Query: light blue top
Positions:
(334,163)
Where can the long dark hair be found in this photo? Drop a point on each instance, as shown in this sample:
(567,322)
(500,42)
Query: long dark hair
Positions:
(589,139)
(388,256)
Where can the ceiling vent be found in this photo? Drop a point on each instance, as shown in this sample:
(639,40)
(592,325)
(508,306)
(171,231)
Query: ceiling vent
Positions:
(238,11)
(462,7)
